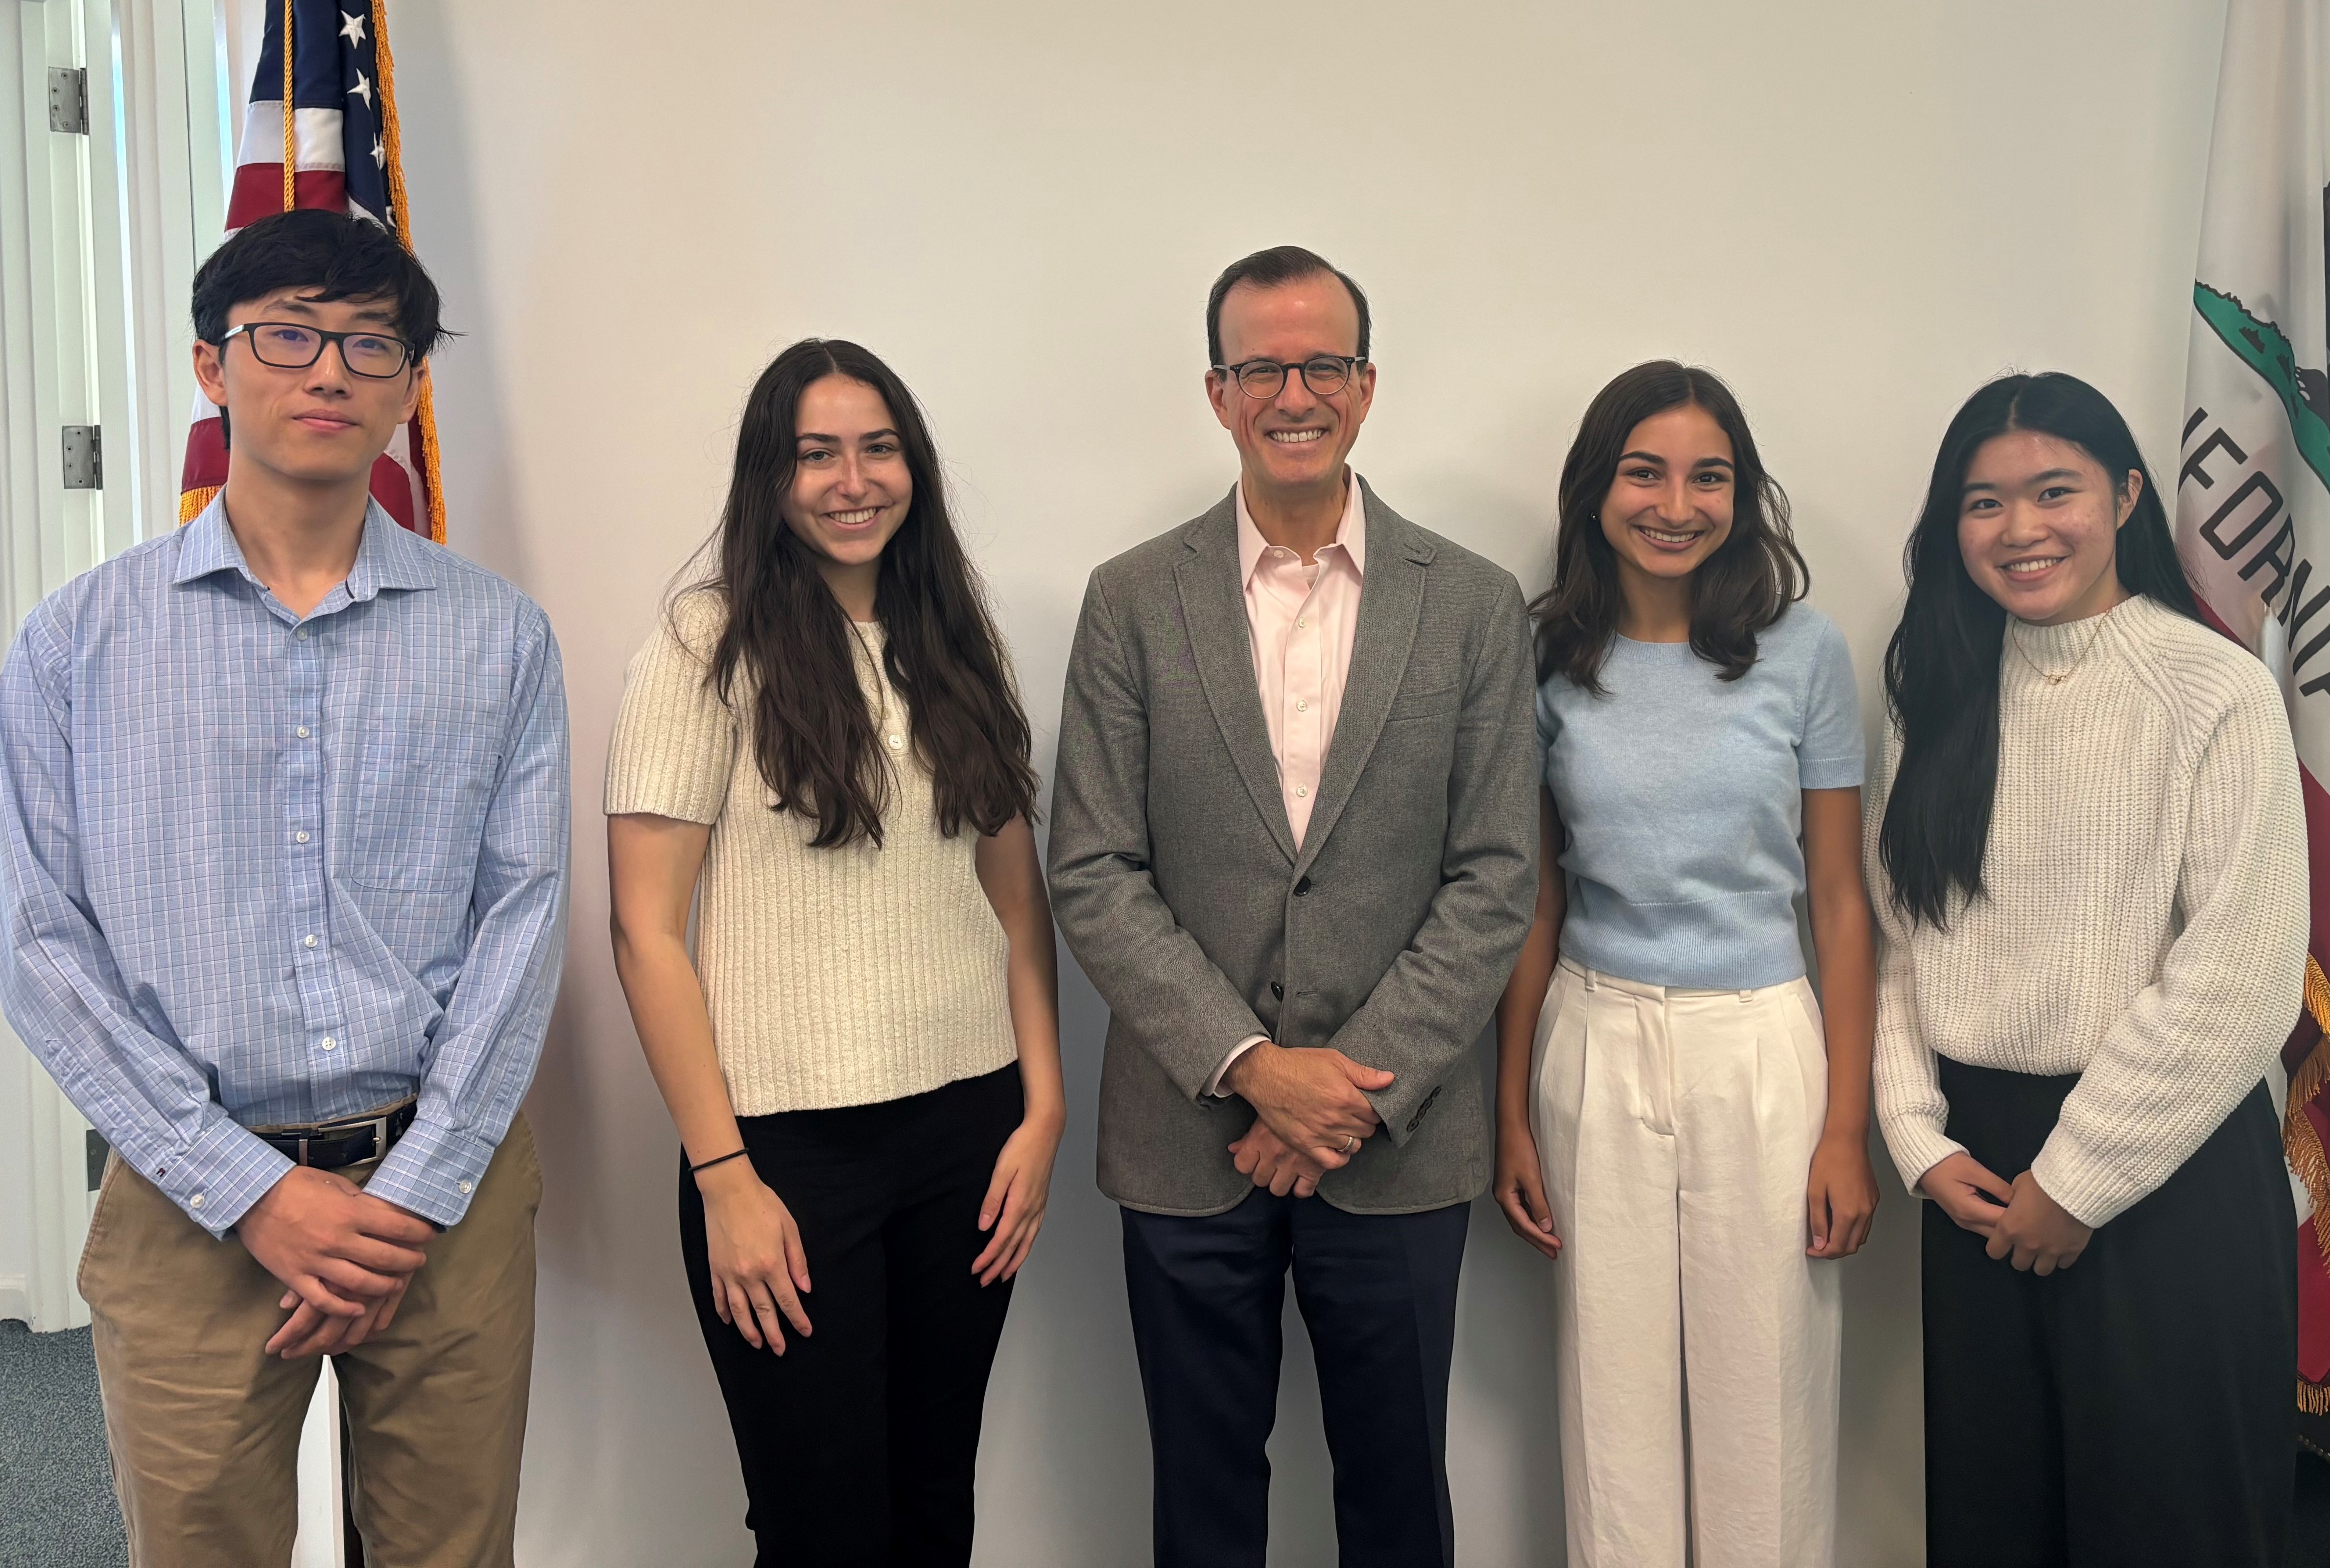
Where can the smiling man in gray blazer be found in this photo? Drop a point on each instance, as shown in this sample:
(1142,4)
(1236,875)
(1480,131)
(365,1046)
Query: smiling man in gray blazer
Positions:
(1295,845)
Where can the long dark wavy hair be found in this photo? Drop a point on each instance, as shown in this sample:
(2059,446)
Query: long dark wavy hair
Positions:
(1941,668)
(1745,585)
(788,647)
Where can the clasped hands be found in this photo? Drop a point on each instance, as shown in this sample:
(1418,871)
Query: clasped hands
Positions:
(1311,1112)
(2023,1224)
(344,1258)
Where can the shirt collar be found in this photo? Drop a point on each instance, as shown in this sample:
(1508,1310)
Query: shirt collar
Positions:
(1350,533)
(388,556)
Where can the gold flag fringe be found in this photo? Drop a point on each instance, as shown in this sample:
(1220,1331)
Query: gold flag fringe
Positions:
(192,502)
(392,146)
(291,121)
(2298,1136)
(2304,1147)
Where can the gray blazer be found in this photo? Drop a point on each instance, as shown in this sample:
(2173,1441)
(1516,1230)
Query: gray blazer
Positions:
(1388,935)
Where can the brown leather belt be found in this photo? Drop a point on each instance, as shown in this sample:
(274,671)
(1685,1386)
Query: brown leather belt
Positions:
(349,1140)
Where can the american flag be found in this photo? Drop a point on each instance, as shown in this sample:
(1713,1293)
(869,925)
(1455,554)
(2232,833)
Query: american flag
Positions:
(341,149)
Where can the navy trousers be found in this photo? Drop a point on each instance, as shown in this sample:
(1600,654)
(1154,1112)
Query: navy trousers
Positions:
(1377,1293)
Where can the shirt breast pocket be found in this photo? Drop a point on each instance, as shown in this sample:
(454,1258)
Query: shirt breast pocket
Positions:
(426,781)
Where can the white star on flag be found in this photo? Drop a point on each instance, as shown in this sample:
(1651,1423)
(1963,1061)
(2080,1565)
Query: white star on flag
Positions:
(352,30)
(379,153)
(363,89)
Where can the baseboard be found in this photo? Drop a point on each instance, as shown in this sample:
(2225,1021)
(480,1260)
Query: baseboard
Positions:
(15,1300)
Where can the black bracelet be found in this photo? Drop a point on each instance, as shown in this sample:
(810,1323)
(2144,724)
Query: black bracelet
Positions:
(724,1159)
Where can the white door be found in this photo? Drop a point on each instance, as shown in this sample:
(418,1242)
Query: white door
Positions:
(113,118)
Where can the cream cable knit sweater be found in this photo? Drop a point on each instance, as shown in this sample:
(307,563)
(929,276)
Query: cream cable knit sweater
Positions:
(834,977)
(2145,914)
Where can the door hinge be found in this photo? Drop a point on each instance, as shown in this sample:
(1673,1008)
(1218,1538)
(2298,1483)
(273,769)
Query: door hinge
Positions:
(84,458)
(69,100)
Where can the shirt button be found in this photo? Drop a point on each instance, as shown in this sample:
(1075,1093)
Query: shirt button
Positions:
(897,742)
(195,1202)
(303,731)
(311,941)
(330,1043)
(302,836)
(1300,625)
(1301,706)
(1301,790)
(303,634)
(464,1189)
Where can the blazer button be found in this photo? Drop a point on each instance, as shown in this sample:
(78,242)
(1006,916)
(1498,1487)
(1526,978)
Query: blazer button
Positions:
(1277,990)
(1302,887)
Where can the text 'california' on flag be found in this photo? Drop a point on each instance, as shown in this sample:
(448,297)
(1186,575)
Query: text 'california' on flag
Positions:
(2253,503)
(337,151)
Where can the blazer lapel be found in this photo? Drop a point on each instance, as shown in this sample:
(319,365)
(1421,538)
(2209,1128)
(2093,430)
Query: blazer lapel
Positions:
(1391,601)
(1213,610)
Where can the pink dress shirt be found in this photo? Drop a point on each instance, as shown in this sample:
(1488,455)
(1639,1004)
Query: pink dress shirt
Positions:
(1300,621)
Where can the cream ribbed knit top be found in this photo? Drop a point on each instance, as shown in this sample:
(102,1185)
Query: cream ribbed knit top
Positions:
(2144,919)
(834,977)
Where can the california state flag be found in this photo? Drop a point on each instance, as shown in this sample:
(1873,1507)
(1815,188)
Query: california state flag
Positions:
(2253,505)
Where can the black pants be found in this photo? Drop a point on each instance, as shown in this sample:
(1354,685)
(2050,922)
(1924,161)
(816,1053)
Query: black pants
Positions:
(2138,1407)
(858,1444)
(1378,1294)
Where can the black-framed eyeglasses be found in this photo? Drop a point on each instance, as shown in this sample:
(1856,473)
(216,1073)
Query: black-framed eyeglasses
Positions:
(288,345)
(1324,374)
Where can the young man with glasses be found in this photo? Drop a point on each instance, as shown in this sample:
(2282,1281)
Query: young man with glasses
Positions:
(283,807)
(1295,847)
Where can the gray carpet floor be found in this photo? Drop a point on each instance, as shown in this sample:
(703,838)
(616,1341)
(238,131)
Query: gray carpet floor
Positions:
(56,1484)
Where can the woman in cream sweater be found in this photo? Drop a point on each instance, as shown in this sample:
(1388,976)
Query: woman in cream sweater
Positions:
(863,1060)
(2089,871)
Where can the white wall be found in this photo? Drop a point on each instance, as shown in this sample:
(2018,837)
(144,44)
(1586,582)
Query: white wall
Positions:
(1856,213)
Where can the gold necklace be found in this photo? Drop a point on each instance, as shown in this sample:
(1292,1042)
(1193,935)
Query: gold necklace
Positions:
(2049,677)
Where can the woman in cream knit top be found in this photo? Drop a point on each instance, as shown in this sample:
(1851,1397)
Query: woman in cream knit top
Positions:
(2088,857)
(820,752)
(2143,918)
(834,977)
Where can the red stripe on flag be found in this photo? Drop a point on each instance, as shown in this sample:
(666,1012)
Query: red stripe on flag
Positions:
(205,456)
(258,191)
(393,491)
(2317,854)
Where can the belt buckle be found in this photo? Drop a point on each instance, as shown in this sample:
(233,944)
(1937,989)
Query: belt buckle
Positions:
(379,1124)
(335,1133)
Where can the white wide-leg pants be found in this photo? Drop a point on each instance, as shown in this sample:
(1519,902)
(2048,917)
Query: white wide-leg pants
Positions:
(1698,1346)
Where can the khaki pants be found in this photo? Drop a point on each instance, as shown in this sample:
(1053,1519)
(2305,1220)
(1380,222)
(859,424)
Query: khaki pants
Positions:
(204,1426)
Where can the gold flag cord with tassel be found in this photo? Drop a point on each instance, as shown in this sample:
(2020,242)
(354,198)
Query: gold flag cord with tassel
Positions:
(393,147)
(291,121)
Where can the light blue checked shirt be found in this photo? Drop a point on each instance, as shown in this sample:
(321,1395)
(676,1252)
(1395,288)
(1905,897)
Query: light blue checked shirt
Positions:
(261,869)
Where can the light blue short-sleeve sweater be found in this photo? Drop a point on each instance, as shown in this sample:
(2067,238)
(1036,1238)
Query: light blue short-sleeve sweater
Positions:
(1681,797)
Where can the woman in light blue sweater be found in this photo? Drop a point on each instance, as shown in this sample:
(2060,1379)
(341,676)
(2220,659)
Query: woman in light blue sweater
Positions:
(1680,1121)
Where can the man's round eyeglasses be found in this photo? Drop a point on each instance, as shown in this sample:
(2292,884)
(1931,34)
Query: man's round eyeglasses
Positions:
(287,346)
(1324,374)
